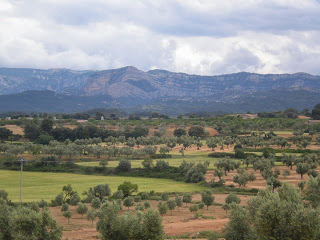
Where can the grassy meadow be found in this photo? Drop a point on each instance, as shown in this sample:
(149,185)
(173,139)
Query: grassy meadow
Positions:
(39,185)
(175,161)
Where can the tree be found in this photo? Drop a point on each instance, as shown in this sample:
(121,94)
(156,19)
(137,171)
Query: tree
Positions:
(3,195)
(279,215)
(239,153)
(201,205)
(82,209)
(178,201)
(42,204)
(226,207)
(302,168)
(218,172)
(171,204)
(137,198)
(312,191)
(101,191)
(181,151)
(118,195)
(124,166)
(227,164)
(147,163)
(91,216)
(64,207)
(207,198)
(178,132)
(28,224)
(95,203)
(274,182)
(47,125)
(197,131)
(67,214)
(5,215)
(187,198)
(165,196)
(164,150)
(193,208)
(301,185)
(211,143)
(241,179)
(58,201)
(238,227)
(196,173)
(285,173)
(146,204)
(74,199)
(32,131)
(43,139)
(163,208)
(128,188)
(128,226)
(232,198)
(152,226)
(15,150)
(316,112)
(128,202)
(5,133)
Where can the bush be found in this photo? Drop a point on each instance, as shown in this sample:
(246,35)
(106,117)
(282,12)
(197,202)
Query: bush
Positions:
(118,195)
(232,198)
(145,226)
(139,207)
(58,201)
(146,204)
(128,188)
(215,184)
(137,198)
(124,166)
(165,196)
(74,199)
(161,166)
(193,208)
(239,153)
(144,195)
(96,203)
(64,207)
(43,139)
(82,209)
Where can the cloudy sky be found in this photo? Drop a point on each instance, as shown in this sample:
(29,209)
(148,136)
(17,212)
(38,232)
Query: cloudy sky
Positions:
(195,36)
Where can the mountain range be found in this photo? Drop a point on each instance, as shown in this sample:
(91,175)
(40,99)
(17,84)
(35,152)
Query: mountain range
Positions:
(128,88)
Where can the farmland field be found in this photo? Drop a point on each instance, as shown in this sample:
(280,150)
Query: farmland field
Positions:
(191,156)
(46,186)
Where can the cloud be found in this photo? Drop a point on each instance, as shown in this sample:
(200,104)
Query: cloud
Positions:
(194,36)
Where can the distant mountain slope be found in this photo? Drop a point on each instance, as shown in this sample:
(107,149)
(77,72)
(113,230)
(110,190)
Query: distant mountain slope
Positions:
(132,88)
(15,80)
(50,102)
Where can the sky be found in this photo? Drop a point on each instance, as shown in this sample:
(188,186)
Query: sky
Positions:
(206,37)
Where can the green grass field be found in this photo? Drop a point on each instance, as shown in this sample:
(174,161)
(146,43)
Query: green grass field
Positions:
(37,186)
(175,161)
(276,154)
(277,132)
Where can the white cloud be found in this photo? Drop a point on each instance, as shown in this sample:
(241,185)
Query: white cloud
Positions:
(194,36)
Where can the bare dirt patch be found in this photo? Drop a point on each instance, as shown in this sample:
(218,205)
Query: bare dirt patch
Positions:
(260,182)
(15,129)
(181,222)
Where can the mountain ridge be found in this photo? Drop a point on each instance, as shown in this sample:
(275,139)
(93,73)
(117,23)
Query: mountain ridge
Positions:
(128,87)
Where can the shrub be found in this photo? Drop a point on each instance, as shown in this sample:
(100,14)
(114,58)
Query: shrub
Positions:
(232,198)
(193,208)
(124,166)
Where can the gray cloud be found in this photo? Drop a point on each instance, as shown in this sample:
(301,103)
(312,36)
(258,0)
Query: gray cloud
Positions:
(195,36)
